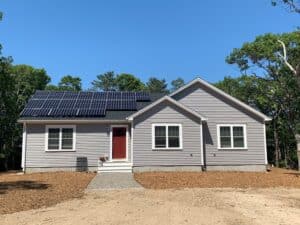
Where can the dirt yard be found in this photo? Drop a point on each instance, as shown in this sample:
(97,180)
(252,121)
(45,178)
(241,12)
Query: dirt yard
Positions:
(275,178)
(31,191)
(228,206)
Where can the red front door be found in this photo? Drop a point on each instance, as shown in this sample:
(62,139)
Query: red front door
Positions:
(119,143)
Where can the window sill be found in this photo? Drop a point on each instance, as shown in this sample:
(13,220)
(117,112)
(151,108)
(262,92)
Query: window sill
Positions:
(167,149)
(63,150)
(232,149)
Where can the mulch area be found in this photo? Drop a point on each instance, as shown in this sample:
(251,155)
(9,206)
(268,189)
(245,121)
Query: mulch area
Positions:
(164,180)
(20,192)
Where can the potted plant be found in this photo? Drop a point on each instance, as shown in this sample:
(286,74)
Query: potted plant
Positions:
(102,159)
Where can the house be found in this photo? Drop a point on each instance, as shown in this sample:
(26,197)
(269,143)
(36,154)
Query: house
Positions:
(198,127)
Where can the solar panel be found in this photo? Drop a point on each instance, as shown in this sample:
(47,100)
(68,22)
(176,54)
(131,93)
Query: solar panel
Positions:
(35,112)
(44,112)
(114,95)
(142,96)
(128,105)
(67,104)
(41,94)
(98,104)
(35,103)
(101,96)
(63,112)
(113,105)
(128,96)
(70,95)
(85,95)
(91,112)
(29,112)
(82,104)
(51,103)
(56,95)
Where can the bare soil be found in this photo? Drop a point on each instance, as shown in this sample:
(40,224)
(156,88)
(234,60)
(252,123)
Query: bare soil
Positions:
(30,191)
(272,206)
(164,180)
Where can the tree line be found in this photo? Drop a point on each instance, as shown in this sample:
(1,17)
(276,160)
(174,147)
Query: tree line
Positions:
(266,83)
(110,81)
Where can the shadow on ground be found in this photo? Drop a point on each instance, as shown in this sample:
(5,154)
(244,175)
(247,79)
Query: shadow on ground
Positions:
(22,185)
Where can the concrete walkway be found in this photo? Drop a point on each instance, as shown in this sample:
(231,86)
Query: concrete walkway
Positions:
(106,181)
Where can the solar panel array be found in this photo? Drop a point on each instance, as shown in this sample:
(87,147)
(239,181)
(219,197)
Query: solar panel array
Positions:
(81,104)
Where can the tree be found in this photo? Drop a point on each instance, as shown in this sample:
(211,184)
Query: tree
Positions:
(128,82)
(177,83)
(8,113)
(105,81)
(27,80)
(52,87)
(277,93)
(292,5)
(70,83)
(157,86)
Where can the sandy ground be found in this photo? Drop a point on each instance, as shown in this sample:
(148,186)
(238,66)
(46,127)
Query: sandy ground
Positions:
(170,206)
(20,192)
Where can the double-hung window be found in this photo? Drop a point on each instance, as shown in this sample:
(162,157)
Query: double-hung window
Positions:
(166,136)
(60,138)
(232,136)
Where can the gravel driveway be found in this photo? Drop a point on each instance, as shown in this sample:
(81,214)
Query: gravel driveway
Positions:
(170,206)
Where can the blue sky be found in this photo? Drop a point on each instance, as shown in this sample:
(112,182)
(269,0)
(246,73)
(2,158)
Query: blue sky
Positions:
(166,39)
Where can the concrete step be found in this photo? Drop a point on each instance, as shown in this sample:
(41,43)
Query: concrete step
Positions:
(108,167)
(116,164)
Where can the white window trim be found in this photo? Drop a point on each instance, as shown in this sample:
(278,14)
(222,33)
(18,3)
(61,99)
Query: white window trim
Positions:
(167,136)
(60,127)
(231,135)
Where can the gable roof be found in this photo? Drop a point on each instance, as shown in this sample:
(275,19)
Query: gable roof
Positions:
(171,100)
(222,93)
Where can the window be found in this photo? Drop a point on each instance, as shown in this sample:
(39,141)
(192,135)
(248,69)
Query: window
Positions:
(232,136)
(60,138)
(166,136)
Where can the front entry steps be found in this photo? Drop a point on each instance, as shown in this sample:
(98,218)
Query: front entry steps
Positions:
(119,167)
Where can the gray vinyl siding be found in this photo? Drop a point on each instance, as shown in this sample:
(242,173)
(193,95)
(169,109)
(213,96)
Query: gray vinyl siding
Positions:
(92,141)
(219,110)
(166,112)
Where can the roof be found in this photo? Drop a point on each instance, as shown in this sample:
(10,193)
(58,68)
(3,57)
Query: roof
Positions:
(67,105)
(225,95)
(172,101)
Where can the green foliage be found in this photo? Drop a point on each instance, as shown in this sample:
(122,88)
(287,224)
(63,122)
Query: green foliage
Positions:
(70,83)
(292,5)
(17,84)
(128,82)
(105,82)
(157,86)
(271,87)
(67,83)
(27,81)
(177,83)
(52,87)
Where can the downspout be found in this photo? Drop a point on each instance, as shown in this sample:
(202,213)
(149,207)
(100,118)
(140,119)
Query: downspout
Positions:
(201,145)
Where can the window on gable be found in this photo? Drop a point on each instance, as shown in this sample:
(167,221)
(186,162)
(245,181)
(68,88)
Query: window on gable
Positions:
(60,138)
(167,136)
(232,136)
